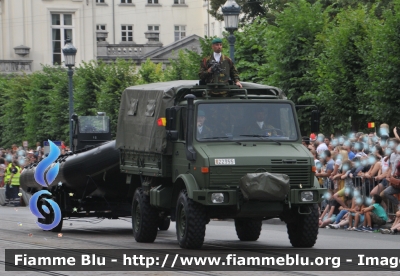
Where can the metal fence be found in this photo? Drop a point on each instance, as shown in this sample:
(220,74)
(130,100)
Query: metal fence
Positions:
(367,185)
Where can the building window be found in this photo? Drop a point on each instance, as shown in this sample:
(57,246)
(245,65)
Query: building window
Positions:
(220,28)
(152,1)
(179,2)
(126,1)
(205,30)
(155,28)
(180,32)
(100,1)
(62,28)
(212,29)
(127,33)
(100,27)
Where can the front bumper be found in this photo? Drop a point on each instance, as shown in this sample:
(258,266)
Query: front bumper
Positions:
(232,197)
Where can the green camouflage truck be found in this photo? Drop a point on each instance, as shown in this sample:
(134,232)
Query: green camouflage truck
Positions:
(193,152)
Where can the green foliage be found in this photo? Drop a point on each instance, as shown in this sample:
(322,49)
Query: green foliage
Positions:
(151,72)
(87,80)
(340,72)
(250,47)
(283,55)
(268,9)
(13,95)
(119,75)
(383,61)
(181,68)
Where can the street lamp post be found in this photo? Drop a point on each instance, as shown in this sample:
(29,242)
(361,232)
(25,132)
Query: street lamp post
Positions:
(231,11)
(69,52)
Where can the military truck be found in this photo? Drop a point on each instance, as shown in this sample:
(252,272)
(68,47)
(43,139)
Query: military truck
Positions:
(189,153)
(193,153)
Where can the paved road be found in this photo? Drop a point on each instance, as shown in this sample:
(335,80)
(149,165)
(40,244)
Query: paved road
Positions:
(18,230)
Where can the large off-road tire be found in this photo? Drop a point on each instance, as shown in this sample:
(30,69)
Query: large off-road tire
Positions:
(49,218)
(144,218)
(248,229)
(163,224)
(191,222)
(303,230)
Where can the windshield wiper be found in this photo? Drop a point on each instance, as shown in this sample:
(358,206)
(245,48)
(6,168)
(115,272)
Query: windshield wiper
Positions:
(262,136)
(254,135)
(217,137)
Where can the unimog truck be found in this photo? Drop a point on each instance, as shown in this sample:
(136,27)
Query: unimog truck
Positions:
(188,153)
(246,164)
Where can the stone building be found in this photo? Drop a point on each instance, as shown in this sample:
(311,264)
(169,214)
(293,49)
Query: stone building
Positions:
(33,32)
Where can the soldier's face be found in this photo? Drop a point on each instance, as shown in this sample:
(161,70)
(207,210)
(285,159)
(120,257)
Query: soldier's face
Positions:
(260,116)
(200,121)
(217,47)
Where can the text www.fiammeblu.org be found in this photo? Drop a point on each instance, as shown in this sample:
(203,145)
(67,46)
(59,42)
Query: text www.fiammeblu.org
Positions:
(231,260)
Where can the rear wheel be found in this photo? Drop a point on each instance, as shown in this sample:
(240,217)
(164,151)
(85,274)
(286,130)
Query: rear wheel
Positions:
(248,229)
(144,218)
(303,230)
(190,222)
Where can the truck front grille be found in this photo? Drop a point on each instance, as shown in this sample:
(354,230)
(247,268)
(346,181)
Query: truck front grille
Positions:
(298,174)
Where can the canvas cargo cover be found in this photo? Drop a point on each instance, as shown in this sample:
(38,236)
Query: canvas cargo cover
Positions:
(265,186)
(140,108)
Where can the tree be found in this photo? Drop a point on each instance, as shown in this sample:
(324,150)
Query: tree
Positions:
(88,78)
(341,70)
(119,75)
(250,47)
(268,9)
(287,60)
(383,89)
(13,95)
(151,72)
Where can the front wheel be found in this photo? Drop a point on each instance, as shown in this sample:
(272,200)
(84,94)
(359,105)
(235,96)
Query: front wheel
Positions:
(191,222)
(144,218)
(303,230)
(248,229)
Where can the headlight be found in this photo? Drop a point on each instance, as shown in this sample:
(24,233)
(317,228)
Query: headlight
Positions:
(217,198)
(307,196)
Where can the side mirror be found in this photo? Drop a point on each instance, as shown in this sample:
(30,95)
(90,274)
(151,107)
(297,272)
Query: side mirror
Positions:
(172,133)
(315,121)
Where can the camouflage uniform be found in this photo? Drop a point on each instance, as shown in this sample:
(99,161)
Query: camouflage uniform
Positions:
(225,63)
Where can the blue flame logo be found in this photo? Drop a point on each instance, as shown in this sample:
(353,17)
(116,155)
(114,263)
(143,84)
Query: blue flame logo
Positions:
(45,179)
(34,209)
(45,163)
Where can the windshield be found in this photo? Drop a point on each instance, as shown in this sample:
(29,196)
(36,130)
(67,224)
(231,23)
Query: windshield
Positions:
(245,121)
(93,124)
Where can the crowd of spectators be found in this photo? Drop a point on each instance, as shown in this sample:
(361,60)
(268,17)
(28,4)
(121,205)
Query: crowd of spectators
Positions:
(12,162)
(362,174)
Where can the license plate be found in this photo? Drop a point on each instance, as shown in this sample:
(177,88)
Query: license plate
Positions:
(224,161)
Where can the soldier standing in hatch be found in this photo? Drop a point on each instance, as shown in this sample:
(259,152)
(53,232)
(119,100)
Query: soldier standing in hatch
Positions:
(225,63)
